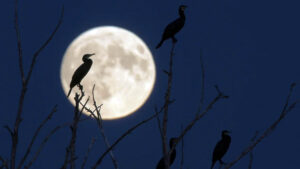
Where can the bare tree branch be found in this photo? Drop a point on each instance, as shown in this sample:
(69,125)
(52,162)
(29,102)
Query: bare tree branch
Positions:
(45,140)
(88,152)
(199,116)
(251,153)
(165,117)
(202,81)
(286,109)
(36,54)
(43,145)
(70,156)
(76,120)
(159,125)
(182,151)
(54,109)
(4,163)
(25,81)
(100,125)
(123,136)
(20,52)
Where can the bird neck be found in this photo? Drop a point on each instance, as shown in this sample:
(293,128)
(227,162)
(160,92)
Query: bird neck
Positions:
(87,60)
(226,137)
(171,145)
(181,14)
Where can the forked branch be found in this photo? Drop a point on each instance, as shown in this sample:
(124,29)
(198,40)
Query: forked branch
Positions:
(35,136)
(99,161)
(167,101)
(286,109)
(98,118)
(200,115)
(25,80)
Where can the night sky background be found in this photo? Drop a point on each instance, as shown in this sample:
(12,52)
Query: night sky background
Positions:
(250,50)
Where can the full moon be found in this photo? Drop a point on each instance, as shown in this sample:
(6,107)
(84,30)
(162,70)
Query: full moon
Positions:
(123,70)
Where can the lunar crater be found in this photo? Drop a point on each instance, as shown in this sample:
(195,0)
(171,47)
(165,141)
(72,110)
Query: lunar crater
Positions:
(123,70)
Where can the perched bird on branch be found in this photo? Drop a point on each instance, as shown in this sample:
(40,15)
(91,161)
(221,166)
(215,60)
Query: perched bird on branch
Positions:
(81,71)
(221,148)
(161,163)
(173,27)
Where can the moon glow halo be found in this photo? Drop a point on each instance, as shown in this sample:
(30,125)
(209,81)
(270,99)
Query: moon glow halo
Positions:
(123,70)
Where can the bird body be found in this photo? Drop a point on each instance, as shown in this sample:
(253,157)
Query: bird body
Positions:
(81,71)
(161,163)
(221,148)
(173,27)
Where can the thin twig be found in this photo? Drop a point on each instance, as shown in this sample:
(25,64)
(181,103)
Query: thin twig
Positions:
(202,81)
(70,156)
(122,137)
(251,153)
(88,152)
(54,109)
(182,151)
(52,132)
(25,81)
(36,54)
(159,124)
(165,117)
(99,122)
(45,140)
(4,163)
(20,51)
(287,108)
(199,116)
(76,118)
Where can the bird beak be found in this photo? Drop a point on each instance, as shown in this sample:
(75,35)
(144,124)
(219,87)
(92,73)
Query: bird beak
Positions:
(176,139)
(92,54)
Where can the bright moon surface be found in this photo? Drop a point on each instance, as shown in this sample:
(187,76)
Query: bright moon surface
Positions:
(123,70)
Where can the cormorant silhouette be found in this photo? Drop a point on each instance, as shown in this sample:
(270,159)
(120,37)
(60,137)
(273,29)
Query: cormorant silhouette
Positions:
(81,71)
(173,27)
(161,163)
(221,148)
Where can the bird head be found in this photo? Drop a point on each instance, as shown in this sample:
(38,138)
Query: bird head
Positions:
(86,56)
(173,140)
(182,7)
(225,132)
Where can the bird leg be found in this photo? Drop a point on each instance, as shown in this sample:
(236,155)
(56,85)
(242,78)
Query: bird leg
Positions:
(80,86)
(222,162)
(174,40)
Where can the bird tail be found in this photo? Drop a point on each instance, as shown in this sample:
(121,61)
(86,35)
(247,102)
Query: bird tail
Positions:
(212,165)
(160,43)
(69,92)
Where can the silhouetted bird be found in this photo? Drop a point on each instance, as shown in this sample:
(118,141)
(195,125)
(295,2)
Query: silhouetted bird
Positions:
(173,27)
(81,71)
(161,163)
(221,148)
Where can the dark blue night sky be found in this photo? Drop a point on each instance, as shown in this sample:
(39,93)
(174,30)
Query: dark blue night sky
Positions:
(250,50)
